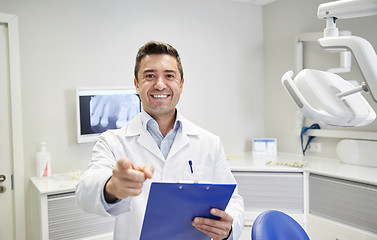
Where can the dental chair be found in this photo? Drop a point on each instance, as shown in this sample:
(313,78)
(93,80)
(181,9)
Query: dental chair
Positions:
(276,225)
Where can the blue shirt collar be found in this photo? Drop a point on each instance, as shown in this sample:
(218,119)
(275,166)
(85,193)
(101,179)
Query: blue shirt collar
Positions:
(148,122)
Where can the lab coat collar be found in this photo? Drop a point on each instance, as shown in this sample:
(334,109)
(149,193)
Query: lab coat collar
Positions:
(136,128)
(148,122)
(188,128)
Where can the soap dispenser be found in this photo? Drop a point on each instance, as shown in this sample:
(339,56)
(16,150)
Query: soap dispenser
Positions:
(43,161)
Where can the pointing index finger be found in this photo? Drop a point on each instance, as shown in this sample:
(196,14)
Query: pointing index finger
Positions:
(125,169)
(148,170)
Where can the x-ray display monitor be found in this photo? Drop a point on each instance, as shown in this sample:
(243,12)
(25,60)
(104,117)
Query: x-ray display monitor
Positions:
(102,108)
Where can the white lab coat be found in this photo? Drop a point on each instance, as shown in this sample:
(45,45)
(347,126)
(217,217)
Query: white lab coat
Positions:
(133,141)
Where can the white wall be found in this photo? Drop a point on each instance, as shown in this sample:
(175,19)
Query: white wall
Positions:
(70,43)
(283,20)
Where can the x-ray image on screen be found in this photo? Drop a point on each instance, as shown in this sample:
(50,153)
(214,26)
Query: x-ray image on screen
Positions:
(102,110)
(112,111)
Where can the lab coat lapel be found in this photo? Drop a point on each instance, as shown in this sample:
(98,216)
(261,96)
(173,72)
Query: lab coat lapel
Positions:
(148,143)
(182,139)
(145,139)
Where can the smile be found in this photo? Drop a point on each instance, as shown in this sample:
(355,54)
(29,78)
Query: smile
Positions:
(160,96)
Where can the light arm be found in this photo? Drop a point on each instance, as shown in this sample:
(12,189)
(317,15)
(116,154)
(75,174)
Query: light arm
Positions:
(364,54)
(347,9)
(361,48)
(326,97)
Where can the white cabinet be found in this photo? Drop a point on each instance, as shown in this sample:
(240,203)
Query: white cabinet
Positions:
(55,214)
(265,187)
(270,190)
(331,200)
(341,209)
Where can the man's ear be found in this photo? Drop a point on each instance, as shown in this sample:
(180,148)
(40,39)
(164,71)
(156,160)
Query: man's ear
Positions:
(182,81)
(136,83)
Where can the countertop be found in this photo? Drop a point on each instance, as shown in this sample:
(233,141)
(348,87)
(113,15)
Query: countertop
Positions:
(317,165)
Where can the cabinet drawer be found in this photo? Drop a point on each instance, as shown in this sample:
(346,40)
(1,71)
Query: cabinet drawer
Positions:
(67,221)
(348,202)
(271,190)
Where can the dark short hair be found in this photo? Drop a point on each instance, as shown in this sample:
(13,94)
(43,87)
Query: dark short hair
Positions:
(154,47)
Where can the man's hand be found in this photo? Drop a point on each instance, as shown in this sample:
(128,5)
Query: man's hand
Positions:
(127,180)
(216,229)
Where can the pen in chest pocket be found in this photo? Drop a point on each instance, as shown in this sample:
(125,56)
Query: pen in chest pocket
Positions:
(190,164)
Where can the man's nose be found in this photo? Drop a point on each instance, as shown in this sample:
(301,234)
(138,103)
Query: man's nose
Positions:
(160,84)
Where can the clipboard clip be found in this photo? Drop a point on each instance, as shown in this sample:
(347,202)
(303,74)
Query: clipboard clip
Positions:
(181,186)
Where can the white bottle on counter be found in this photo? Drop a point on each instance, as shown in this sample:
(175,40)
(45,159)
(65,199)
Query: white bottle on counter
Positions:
(43,161)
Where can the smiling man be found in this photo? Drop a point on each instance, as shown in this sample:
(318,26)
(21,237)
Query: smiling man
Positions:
(159,83)
(156,146)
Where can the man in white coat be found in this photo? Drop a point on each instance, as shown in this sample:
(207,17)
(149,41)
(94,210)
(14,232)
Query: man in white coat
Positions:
(156,145)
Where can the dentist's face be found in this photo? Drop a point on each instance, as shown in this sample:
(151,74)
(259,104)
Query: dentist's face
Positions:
(159,84)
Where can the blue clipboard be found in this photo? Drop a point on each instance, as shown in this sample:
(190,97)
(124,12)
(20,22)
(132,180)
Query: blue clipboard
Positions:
(171,208)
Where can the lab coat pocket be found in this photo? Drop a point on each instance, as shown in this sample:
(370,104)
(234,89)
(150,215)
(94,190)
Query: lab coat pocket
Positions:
(199,173)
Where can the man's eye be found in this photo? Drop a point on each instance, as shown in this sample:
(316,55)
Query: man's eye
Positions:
(170,76)
(149,76)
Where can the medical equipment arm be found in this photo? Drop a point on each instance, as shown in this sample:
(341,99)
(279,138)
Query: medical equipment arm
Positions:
(364,54)
(325,97)
(347,9)
(361,48)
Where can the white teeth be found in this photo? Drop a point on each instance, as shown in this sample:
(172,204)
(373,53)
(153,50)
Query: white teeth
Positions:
(160,96)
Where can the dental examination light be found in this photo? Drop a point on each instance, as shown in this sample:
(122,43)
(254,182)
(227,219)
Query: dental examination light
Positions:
(326,97)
